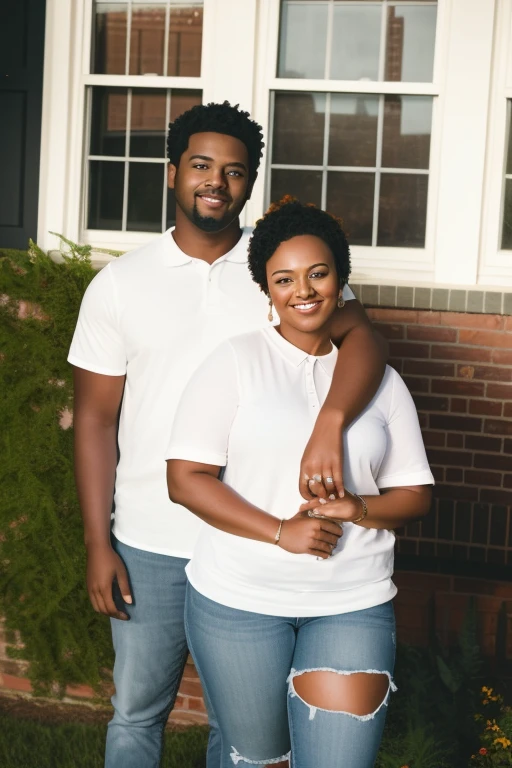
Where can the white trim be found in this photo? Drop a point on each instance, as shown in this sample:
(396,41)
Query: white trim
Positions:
(144,81)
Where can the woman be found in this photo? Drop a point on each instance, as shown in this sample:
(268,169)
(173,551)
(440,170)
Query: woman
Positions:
(289,614)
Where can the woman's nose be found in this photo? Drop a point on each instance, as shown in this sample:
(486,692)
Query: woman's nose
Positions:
(304,288)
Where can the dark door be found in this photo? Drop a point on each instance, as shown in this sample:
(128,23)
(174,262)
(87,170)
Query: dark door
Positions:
(21,88)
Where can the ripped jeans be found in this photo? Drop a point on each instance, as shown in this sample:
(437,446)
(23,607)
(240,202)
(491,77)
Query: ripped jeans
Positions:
(248,663)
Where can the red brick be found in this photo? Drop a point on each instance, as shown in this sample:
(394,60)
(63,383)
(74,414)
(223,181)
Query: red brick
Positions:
(396,363)
(486,338)
(422,582)
(481,587)
(428,403)
(181,702)
(487,372)
(13,683)
(450,458)
(423,419)
(507,411)
(501,356)
(391,331)
(479,477)
(458,387)
(417,384)
(431,333)
(497,427)
(458,492)
(507,481)
(428,368)
(507,447)
(508,324)
(496,496)
(408,349)
(196,704)
(499,391)
(80,691)
(491,461)
(458,405)
(457,423)
(480,443)
(486,407)
(434,438)
(429,317)
(393,315)
(191,688)
(438,473)
(458,352)
(454,475)
(187,718)
(454,441)
(463,320)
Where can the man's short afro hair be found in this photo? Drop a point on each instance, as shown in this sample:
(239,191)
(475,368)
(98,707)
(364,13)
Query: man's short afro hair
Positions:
(289,218)
(216,118)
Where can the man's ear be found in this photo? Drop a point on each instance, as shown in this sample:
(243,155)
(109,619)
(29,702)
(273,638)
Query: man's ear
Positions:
(171,175)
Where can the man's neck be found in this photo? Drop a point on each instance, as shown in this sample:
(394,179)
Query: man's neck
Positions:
(208,246)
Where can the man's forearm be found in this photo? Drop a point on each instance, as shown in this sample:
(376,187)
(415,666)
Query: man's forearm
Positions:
(357,376)
(397,507)
(95,472)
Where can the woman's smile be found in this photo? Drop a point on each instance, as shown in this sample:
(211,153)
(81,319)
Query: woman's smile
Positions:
(308,308)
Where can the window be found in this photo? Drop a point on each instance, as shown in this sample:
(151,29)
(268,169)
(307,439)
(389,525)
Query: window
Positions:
(125,177)
(361,152)
(506,232)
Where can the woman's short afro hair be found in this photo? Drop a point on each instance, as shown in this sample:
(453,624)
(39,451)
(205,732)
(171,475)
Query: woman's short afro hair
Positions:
(216,118)
(289,218)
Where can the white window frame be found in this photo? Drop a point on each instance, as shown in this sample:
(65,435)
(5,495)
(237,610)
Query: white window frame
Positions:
(64,136)
(495,262)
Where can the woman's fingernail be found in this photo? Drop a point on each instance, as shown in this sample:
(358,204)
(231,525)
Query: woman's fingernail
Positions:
(322,501)
(318,478)
(306,477)
(341,494)
(332,497)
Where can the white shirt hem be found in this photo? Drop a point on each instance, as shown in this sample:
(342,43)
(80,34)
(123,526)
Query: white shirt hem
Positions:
(95,368)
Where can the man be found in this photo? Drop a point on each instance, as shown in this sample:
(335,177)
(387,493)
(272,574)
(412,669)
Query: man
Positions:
(146,321)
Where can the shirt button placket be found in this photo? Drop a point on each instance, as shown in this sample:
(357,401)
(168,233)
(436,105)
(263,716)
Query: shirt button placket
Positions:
(313,401)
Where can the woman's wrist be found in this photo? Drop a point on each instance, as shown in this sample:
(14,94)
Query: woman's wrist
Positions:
(277,537)
(364,508)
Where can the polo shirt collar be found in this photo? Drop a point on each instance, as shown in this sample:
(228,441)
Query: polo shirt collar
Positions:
(175,257)
(297,356)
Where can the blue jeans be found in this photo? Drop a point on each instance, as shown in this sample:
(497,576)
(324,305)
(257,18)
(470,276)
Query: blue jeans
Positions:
(151,651)
(248,661)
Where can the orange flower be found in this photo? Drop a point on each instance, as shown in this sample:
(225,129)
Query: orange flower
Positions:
(482,751)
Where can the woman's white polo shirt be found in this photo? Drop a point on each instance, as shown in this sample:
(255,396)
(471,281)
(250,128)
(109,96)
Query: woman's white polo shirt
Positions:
(251,407)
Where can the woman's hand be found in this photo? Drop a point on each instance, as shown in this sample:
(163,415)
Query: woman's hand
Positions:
(344,510)
(321,468)
(305,535)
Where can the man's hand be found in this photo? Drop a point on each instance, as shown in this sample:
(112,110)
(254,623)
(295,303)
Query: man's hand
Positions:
(321,469)
(103,567)
(305,535)
(344,510)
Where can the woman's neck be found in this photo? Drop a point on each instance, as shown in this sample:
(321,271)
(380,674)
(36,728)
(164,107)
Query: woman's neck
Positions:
(316,343)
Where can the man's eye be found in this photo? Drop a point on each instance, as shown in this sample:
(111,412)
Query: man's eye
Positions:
(235,173)
(200,166)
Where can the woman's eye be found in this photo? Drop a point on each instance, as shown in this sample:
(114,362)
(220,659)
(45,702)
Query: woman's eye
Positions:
(318,274)
(283,280)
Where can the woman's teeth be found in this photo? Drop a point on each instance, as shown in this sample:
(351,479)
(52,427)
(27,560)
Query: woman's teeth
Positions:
(303,307)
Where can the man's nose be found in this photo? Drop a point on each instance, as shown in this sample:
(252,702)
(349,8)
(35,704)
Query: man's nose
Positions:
(217,179)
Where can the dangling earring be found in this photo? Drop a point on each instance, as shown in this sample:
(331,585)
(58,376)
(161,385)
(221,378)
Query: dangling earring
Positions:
(341,301)
(270,315)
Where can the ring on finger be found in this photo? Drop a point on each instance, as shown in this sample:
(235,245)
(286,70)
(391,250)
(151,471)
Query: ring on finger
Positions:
(329,480)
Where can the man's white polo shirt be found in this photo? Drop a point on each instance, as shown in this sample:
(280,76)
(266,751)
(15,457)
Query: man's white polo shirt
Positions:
(251,407)
(154,314)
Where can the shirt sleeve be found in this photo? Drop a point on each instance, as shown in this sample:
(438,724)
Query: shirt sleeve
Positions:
(97,343)
(348,293)
(205,413)
(405,461)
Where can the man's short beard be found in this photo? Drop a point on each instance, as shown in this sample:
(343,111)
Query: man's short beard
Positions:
(208,223)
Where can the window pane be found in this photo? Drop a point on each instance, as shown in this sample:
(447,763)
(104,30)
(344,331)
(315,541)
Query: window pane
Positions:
(145,196)
(185,40)
(171,209)
(411,34)
(506,238)
(183,100)
(303,39)
(306,185)
(407,127)
(356,41)
(299,120)
(402,210)
(105,194)
(108,121)
(350,196)
(147,39)
(509,148)
(148,126)
(353,129)
(110,38)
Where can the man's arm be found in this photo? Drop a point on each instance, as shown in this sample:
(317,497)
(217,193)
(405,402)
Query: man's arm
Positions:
(96,408)
(361,363)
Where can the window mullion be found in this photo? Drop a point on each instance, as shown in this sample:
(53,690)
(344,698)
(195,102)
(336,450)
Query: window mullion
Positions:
(325,160)
(126,161)
(378,164)
(166,37)
(167,121)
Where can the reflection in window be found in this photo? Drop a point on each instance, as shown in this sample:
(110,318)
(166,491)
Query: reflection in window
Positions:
(148,38)
(368,162)
(342,40)
(127,156)
(506,235)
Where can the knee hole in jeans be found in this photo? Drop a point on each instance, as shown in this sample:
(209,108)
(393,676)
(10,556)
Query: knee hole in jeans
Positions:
(358,693)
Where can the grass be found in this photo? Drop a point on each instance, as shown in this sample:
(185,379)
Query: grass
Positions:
(25,744)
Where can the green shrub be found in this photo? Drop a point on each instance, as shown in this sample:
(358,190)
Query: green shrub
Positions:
(42,585)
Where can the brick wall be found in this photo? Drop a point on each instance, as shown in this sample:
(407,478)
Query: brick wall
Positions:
(459,370)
